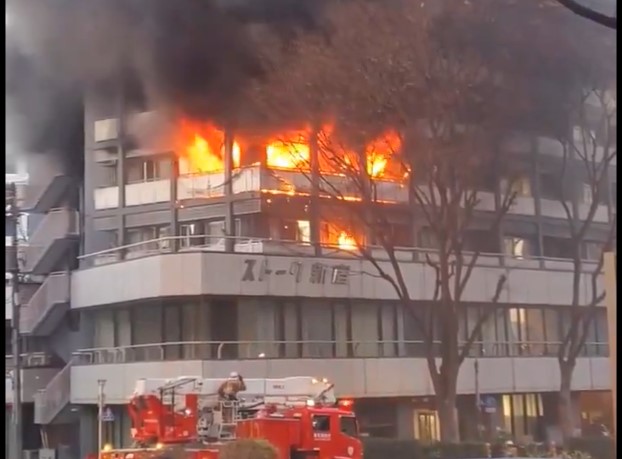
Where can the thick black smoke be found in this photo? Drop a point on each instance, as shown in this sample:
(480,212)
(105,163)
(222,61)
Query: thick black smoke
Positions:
(194,54)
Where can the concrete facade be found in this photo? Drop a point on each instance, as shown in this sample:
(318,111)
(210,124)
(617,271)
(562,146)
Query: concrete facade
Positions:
(126,294)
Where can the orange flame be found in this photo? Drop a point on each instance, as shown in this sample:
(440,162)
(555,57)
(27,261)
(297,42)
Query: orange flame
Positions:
(201,147)
(379,152)
(346,242)
(289,151)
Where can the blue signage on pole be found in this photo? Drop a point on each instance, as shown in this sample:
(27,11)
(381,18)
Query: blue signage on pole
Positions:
(107,415)
(488,404)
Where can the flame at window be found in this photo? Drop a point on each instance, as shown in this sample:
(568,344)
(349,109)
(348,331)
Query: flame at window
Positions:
(201,148)
(288,151)
(346,241)
(381,154)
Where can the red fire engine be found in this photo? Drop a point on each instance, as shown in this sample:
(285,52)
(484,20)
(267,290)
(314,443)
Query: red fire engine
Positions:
(299,416)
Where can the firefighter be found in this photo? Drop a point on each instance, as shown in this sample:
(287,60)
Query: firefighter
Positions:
(229,389)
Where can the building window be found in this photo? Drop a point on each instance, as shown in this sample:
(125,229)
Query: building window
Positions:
(557,247)
(522,414)
(107,176)
(521,186)
(148,170)
(215,231)
(191,234)
(550,186)
(427,239)
(149,235)
(303,231)
(588,194)
(591,250)
(517,247)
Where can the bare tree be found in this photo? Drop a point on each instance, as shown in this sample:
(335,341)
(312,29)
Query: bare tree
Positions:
(419,74)
(588,152)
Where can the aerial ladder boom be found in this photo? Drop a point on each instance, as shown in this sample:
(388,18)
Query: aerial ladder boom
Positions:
(190,408)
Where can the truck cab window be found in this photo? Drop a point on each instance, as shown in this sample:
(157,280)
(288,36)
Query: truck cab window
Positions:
(348,426)
(321,423)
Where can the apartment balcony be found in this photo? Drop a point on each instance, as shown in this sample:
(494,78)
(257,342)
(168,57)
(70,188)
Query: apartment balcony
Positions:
(33,380)
(47,306)
(57,233)
(51,401)
(47,193)
(32,360)
(262,267)
(356,368)
(281,181)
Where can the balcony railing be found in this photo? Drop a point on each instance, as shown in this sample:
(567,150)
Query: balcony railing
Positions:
(249,350)
(207,243)
(50,401)
(57,224)
(31,360)
(46,193)
(53,292)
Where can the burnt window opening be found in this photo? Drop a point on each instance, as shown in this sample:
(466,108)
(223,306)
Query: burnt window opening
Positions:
(550,186)
(557,247)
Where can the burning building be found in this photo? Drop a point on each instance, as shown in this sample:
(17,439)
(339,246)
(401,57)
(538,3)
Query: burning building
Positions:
(198,249)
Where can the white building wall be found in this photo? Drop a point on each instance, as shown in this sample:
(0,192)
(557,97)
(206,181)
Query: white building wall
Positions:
(352,377)
(193,274)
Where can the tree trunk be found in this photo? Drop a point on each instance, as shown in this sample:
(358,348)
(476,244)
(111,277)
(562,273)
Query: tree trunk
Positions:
(448,419)
(445,390)
(566,414)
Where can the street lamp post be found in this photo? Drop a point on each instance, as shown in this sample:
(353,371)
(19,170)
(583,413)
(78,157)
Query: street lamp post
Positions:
(12,214)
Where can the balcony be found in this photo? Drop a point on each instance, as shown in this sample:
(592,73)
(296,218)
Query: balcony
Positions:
(264,267)
(56,234)
(50,400)
(33,380)
(281,181)
(41,198)
(357,368)
(47,306)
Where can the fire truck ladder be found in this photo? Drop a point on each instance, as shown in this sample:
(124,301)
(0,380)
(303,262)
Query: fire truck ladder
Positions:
(230,415)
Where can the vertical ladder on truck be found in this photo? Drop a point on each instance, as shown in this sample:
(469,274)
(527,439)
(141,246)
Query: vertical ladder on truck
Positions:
(229,411)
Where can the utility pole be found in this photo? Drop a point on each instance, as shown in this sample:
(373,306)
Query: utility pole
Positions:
(12,215)
(101,383)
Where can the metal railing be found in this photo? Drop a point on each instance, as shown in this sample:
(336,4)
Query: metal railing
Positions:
(267,246)
(53,291)
(30,360)
(214,350)
(56,395)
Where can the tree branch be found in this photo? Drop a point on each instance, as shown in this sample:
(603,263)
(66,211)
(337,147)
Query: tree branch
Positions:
(599,18)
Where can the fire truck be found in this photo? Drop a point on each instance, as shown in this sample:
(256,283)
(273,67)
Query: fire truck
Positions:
(299,416)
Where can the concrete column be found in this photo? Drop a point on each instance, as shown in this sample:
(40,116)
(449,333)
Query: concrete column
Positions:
(405,420)
(314,207)
(228,190)
(535,191)
(121,165)
(88,431)
(174,231)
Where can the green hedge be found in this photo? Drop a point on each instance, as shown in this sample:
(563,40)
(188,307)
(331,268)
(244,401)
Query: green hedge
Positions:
(597,447)
(380,448)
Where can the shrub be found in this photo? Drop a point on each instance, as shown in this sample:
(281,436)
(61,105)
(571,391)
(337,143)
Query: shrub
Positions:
(248,449)
(596,447)
(378,448)
(382,448)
